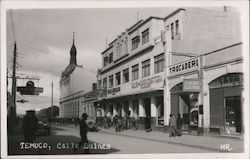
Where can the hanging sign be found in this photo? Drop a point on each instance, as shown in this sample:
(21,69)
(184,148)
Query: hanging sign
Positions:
(191,85)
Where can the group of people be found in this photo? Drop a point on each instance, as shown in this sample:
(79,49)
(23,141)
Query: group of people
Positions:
(175,125)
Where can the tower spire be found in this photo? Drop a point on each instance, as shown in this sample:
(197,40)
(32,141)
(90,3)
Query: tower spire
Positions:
(73,37)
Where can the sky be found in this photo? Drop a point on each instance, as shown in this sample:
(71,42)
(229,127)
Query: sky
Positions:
(44,39)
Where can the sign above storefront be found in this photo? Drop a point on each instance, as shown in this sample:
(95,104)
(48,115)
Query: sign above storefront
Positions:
(191,85)
(146,83)
(114,90)
(184,67)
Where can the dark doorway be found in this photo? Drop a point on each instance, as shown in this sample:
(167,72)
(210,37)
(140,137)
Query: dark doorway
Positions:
(233,112)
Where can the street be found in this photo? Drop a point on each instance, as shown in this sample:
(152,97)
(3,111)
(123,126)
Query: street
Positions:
(63,139)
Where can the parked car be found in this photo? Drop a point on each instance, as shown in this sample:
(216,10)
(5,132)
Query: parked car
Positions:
(43,128)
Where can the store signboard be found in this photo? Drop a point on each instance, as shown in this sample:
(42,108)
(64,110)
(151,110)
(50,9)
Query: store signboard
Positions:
(191,85)
(147,82)
(184,67)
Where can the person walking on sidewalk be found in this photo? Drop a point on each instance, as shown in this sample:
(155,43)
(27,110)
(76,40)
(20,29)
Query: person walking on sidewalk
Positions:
(179,125)
(172,125)
(83,132)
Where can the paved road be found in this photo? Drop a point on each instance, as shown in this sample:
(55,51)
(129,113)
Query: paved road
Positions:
(63,139)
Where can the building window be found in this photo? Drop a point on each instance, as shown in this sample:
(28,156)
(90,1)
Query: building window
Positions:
(126,75)
(146,68)
(110,57)
(172,30)
(177,27)
(106,61)
(105,83)
(135,72)
(135,42)
(100,84)
(145,36)
(118,78)
(111,81)
(159,63)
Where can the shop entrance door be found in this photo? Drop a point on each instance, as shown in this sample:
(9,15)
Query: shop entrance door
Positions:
(233,113)
(147,107)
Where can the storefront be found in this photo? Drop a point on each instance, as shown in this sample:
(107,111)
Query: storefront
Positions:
(226,103)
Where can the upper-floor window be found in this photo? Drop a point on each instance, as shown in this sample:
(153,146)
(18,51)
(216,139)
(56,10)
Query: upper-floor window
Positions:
(105,83)
(135,72)
(135,42)
(172,30)
(111,81)
(177,31)
(145,36)
(118,78)
(159,63)
(110,57)
(146,68)
(126,75)
(105,61)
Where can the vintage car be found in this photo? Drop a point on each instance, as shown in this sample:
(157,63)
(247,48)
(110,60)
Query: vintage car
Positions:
(43,128)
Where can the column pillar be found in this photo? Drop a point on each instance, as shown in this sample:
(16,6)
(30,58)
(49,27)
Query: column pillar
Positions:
(167,44)
(123,109)
(153,111)
(141,108)
(131,108)
(115,109)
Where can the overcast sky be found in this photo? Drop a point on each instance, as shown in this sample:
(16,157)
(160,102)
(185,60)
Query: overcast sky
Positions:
(44,39)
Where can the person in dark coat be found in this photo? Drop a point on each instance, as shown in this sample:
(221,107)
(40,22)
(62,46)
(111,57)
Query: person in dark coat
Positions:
(179,125)
(83,133)
(30,126)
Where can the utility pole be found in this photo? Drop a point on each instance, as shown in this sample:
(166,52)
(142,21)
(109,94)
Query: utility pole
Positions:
(13,92)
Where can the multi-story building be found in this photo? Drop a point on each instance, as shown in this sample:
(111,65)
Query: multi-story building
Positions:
(163,66)
(75,82)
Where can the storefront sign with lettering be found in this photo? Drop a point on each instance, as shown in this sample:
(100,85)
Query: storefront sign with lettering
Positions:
(183,67)
(146,83)
(191,85)
(114,90)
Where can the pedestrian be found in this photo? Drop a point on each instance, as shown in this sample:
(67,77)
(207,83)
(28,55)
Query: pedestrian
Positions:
(172,125)
(179,125)
(83,133)
(30,126)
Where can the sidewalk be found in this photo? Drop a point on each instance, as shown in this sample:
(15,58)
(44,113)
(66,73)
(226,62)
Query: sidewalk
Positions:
(203,142)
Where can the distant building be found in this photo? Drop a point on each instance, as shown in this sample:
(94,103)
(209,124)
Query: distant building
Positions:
(48,113)
(162,66)
(74,82)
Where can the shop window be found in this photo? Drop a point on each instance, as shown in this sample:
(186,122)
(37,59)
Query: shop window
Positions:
(159,63)
(118,78)
(135,72)
(135,42)
(146,68)
(105,83)
(145,36)
(126,75)
(111,81)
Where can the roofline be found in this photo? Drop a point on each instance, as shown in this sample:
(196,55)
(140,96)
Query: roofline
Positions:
(107,49)
(173,13)
(142,23)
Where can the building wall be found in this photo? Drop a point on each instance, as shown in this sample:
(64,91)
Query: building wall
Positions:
(204,30)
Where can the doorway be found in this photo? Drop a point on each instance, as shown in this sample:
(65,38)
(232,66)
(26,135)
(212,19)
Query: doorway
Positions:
(233,113)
